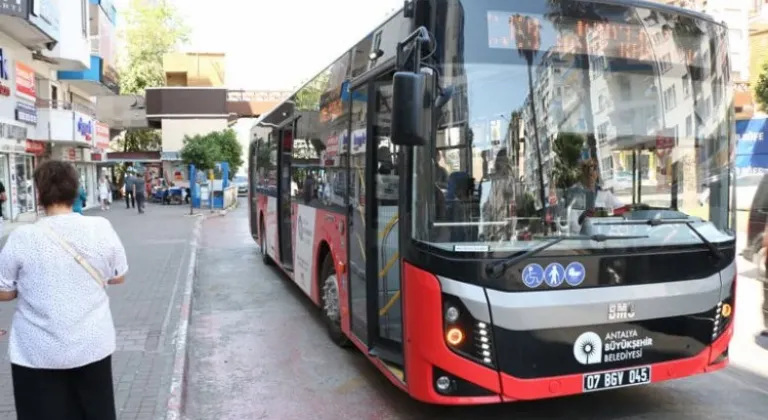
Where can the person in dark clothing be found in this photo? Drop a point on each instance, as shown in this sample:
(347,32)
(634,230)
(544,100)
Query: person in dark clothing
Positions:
(3,199)
(139,191)
(130,198)
(309,187)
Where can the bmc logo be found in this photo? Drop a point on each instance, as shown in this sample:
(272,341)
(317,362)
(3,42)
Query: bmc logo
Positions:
(3,65)
(85,128)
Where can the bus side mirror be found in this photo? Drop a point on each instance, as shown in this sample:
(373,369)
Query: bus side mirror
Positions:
(408,127)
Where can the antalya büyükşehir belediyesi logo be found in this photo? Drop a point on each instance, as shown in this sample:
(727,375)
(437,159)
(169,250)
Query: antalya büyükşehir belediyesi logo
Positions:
(588,349)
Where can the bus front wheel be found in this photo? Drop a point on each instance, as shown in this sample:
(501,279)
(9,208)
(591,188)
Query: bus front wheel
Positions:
(330,303)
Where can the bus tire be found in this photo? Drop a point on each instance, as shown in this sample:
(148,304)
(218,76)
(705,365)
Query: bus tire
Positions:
(265,258)
(330,303)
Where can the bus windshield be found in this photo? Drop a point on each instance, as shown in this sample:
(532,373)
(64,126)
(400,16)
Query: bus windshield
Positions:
(570,118)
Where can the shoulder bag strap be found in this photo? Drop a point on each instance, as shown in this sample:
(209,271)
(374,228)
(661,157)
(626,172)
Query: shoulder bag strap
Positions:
(79,258)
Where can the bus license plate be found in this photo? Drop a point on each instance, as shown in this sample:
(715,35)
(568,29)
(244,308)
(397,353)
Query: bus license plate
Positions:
(617,378)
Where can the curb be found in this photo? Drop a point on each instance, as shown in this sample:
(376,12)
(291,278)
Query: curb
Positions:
(219,213)
(178,379)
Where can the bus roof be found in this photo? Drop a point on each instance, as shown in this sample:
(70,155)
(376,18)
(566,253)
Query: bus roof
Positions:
(635,3)
(264,116)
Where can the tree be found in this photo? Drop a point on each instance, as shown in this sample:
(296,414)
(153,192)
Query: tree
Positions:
(204,151)
(142,139)
(567,148)
(152,29)
(308,98)
(761,87)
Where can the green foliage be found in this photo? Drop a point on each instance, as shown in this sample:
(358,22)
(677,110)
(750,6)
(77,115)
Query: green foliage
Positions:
(308,98)
(204,151)
(567,148)
(761,87)
(136,140)
(152,29)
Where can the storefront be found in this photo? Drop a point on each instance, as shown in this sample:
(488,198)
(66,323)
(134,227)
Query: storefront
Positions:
(80,157)
(12,144)
(25,169)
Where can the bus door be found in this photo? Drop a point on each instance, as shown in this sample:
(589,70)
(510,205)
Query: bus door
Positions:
(373,234)
(284,205)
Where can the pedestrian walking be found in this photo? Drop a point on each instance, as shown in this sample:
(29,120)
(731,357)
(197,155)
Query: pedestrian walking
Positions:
(62,335)
(3,199)
(139,188)
(104,193)
(130,198)
(82,197)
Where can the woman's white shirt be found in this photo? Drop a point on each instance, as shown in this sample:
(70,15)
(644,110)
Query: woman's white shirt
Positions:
(62,319)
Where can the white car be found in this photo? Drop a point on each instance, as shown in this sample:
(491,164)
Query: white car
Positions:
(241,182)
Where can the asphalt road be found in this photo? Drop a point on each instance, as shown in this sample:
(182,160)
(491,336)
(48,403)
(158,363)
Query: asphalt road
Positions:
(258,351)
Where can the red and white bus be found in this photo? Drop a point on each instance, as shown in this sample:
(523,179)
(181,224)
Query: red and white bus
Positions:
(498,201)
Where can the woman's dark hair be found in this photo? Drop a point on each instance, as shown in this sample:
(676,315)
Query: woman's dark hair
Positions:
(57,182)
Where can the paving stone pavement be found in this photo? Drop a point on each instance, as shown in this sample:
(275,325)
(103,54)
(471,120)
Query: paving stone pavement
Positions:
(145,309)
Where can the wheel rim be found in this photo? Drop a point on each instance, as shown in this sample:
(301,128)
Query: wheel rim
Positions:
(331,299)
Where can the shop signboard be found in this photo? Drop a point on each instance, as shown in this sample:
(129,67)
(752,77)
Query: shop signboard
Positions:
(14,8)
(11,146)
(5,87)
(34,147)
(83,128)
(26,113)
(101,138)
(25,82)
(13,131)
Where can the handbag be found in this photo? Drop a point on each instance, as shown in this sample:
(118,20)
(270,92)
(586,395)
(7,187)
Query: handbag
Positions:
(79,258)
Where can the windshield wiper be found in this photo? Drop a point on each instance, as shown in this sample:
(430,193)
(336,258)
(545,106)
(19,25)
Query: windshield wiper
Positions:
(657,222)
(497,268)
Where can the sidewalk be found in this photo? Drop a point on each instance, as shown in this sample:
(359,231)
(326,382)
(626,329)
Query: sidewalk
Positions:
(146,309)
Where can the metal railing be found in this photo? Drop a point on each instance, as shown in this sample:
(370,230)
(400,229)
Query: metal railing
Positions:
(243,95)
(65,105)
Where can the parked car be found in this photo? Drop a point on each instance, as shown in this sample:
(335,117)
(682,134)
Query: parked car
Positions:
(241,182)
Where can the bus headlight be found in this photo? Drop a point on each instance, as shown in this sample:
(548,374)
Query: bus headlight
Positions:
(451,314)
(723,315)
(464,334)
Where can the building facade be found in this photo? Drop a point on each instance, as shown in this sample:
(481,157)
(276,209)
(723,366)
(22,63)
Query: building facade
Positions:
(46,110)
(196,101)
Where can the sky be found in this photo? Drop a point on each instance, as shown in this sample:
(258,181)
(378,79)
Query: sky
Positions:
(276,44)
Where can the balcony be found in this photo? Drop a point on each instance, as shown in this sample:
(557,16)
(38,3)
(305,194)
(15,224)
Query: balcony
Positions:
(185,103)
(63,123)
(122,112)
(34,32)
(98,80)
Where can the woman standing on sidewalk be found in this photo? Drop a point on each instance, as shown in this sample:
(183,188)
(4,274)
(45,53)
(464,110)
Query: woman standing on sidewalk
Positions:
(79,203)
(104,193)
(62,336)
